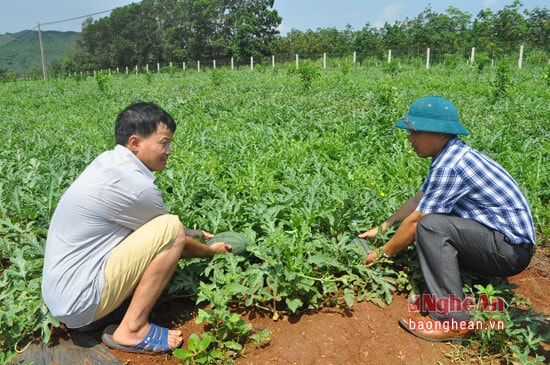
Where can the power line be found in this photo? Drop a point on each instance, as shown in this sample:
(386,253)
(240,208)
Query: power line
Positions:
(76,18)
(50,23)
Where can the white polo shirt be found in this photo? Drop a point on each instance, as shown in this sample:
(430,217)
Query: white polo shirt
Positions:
(115,195)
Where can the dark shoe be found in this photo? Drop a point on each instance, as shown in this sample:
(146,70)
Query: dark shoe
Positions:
(437,331)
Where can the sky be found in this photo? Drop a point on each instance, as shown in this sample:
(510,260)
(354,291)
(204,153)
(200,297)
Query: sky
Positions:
(19,15)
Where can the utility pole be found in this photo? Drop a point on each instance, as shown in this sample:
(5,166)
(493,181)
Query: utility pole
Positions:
(42,53)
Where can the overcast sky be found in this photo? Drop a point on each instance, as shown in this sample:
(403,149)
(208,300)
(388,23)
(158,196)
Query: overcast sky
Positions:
(18,15)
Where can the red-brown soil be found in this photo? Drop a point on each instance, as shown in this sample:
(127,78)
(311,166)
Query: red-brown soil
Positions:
(364,334)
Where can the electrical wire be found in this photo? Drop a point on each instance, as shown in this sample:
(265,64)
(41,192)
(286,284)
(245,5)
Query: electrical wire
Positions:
(50,23)
(76,18)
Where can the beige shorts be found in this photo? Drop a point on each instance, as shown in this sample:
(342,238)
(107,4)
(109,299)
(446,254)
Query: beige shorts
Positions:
(129,259)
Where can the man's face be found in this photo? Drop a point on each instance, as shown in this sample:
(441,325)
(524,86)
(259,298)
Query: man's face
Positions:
(154,150)
(426,144)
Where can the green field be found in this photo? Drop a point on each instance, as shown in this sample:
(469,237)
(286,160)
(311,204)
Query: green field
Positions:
(300,163)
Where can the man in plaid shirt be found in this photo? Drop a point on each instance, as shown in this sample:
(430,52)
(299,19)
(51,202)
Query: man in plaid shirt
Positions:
(469,214)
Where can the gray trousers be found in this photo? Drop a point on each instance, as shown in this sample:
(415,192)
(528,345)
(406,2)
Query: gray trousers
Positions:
(446,244)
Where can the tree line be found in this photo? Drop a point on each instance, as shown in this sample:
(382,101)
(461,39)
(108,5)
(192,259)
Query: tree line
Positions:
(163,31)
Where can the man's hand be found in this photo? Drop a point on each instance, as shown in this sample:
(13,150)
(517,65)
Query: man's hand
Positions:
(220,247)
(198,233)
(371,256)
(206,236)
(371,233)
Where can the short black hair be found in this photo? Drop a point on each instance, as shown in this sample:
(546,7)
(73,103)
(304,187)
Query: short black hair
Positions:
(141,118)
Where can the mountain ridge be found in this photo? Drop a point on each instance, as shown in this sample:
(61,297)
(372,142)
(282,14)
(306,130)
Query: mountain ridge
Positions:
(20,52)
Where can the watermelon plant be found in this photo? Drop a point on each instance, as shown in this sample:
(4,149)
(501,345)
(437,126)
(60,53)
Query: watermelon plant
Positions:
(297,166)
(238,241)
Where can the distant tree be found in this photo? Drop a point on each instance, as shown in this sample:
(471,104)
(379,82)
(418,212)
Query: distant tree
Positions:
(133,36)
(510,28)
(201,29)
(483,36)
(443,33)
(538,24)
(96,44)
(334,42)
(396,37)
(460,24)
(188,30)
(296,42)
(253,28)
(174,30)
(367,42)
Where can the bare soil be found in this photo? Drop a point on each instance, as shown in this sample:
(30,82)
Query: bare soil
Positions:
(364,334)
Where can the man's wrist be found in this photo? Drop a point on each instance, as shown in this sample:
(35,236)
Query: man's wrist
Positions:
(382,253)
(193,232)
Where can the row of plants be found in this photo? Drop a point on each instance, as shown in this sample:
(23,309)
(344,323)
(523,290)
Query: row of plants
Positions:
(298,161)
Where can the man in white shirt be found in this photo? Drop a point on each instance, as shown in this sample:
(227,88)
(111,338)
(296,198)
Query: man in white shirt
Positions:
(111,237)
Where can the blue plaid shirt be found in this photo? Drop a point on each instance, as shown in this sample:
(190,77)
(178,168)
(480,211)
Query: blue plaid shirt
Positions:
(466,183)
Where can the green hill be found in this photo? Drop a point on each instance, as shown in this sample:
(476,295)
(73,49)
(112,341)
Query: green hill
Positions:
(20,52)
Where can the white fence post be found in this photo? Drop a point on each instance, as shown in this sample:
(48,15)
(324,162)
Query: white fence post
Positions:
(428,58)
(520,61)
(470,61)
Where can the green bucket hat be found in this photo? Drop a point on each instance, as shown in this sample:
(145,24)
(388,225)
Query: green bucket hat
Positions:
(432,114)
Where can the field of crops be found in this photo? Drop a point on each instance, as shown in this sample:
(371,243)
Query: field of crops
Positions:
(300,162)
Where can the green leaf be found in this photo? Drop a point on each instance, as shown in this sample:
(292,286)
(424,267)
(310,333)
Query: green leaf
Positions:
(294,304)
(194,343)
(233,345)
(182,354)
(204,343)
(349,297)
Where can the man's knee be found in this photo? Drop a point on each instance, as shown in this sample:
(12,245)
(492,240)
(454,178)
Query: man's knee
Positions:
(428,226)
(174,224)
(169,231)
